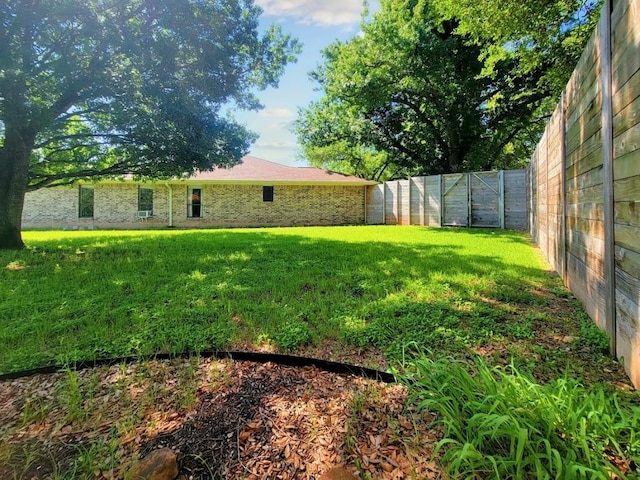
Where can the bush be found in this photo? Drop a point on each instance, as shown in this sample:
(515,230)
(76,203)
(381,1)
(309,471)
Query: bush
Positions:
(500,424)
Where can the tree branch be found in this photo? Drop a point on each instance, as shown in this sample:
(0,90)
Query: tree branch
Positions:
(79,136)
(50,180)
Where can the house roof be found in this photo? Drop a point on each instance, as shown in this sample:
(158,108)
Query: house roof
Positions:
(254,170)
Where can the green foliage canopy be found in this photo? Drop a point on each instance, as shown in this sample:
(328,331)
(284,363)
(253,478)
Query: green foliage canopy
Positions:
(421,92)
(551,33)
(110,87)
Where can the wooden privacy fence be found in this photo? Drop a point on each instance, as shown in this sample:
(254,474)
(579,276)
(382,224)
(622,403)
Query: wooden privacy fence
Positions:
(479,199)
(585,181)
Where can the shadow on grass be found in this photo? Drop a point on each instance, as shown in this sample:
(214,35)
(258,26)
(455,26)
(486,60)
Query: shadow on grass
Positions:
(113,294)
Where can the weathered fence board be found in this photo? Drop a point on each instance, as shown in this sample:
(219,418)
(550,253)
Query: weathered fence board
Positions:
(515,200)
(417,204)
(486,196)
(433,186)
(404,200)
(375,203)
(455,200)
(391,203)
(479,199)
(584,194)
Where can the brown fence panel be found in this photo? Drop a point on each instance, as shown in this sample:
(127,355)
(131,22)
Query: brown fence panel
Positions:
(625,84)
(584,181)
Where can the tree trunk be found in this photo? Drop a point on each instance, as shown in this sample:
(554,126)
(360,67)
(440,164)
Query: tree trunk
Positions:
(14,176)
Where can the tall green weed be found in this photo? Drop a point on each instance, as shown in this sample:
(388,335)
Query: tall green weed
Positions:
(500,424)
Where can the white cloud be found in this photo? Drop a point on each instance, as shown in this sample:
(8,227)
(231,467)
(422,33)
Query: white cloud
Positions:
(276,113)
(275,145)
(313,12)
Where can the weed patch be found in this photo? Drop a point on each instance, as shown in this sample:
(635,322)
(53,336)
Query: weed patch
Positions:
(499,423)
(592,336)
(292,335)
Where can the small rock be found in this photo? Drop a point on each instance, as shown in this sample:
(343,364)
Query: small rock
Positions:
(158,465)
(338,473)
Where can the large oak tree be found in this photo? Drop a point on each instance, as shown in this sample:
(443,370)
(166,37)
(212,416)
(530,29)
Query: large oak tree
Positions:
(422,91)
(90,88)
(547,34)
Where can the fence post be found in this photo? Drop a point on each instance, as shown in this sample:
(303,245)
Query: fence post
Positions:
(607,167)
(469,213)
(547,250)
(384,203)
(532,192)
(398,203)
(425,197)
(562,240)
(365,205)
(409,197)
(529,189)
(441,206)
(501,205)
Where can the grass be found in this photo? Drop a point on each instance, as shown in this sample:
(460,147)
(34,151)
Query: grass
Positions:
(500,423)
(459,295)
(83,295)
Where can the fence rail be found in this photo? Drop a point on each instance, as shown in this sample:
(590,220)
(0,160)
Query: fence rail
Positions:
(478,199)
(584,179)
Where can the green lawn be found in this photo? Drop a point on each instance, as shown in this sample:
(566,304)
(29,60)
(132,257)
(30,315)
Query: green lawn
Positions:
(85,295)
(486,338)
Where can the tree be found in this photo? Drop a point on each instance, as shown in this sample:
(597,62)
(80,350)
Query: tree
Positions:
(413,89)
(433,95)
(111,87)
(327,131)
(548,33)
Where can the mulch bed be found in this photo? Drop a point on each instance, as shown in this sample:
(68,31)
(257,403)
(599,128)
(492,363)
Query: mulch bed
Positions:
(224,419)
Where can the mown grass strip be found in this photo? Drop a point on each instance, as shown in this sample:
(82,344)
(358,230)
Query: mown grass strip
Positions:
(85,295)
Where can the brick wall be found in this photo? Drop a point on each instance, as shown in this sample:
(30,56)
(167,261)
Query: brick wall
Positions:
(50,207)
(116,206)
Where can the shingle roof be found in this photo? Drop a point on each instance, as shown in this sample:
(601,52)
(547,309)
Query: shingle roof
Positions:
(257,170)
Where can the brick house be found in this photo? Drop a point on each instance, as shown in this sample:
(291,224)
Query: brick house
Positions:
(254,193)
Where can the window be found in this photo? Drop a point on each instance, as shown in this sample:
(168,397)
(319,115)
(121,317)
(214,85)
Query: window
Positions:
(85,204)
(145,199)
(267,194)
(194,203)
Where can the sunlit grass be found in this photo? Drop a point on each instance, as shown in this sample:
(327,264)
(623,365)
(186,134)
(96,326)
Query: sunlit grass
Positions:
(499,423)
(84,295)
(485,336)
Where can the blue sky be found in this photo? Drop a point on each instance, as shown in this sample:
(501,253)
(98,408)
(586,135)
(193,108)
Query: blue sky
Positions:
(316,24)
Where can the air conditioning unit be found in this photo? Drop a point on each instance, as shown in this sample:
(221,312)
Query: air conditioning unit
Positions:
(144,214)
